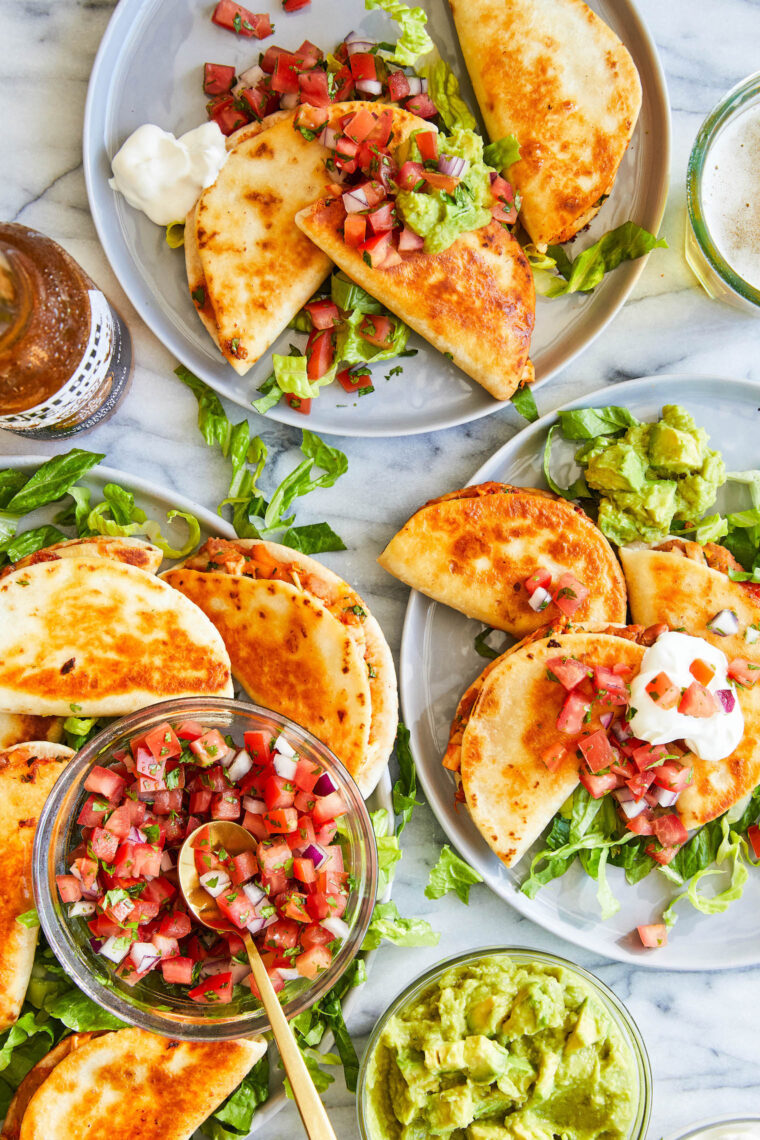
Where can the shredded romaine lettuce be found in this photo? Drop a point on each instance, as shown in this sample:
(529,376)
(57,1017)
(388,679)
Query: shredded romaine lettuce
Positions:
(290,374)
(555,275)
(443,89)
(451,873)
(414,40)
(98,523)
(731,852)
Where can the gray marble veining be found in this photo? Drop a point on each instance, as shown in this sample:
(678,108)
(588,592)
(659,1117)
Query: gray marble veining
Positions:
(700,1029)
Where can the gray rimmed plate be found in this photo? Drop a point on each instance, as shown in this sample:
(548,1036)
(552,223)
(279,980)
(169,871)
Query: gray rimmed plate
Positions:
(438,662)
(149,69)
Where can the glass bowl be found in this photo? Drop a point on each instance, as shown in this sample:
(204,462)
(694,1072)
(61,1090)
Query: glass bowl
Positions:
(149,1004)
(713,271)
(719,1128)
(520,956)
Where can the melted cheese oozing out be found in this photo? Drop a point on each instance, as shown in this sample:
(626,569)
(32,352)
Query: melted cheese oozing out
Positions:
(162,175)
(710,738)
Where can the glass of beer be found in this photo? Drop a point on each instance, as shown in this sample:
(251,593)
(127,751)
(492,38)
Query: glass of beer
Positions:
(723,234)
(65,353)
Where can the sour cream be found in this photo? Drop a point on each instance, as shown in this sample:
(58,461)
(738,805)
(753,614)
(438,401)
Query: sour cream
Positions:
(163,175)
(710,738)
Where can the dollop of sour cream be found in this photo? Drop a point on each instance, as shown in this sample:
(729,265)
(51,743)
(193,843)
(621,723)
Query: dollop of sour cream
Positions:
(163,175)
(710,738)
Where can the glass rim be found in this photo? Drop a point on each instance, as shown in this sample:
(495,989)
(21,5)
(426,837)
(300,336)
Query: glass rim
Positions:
(703,1125)
(57,930)
(612,1002)
(731,103)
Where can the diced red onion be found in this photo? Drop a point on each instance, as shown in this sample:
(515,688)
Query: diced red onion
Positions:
(289,100)
(727,699)
(725,623)
(539,599)
(239,970)
(96,944)
(256,925)
(144,956)
(254,893)
(632,808)
(316,854)
(251,75)
(167,863)
(415,84)
(359,45)
(215,882)
(255,807)
(623,795)
(329,137)
(284,766)
(136,835)
(621,730)
(452,165)
(369,86)
(240,766)
(751,635)
(81,909)
(324,786)
(268,921)
(606,719)
(213,966)
(115,953)
(283,746)
(147,797)
(289,974)
(337,927)
(665,797)
(91,893)
(355,200)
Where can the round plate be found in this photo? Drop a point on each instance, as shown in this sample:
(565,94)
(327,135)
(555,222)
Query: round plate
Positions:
(156,502)
(148,69)
(438,662)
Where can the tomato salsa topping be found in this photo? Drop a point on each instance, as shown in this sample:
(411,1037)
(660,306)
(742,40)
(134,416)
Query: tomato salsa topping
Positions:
(291,894)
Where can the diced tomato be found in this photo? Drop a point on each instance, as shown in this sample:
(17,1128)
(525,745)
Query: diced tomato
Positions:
(175,925)
(662,855)
(598,786)
(410,175)
(257,747)
(93,812)
(293,906)
(86,870)
(363,65)
(215,989)
(177,970)
(359,125)
(273,856)
(354,229)
(538,580)
(438,181)
(570,594)
(315,935)
(673,776)
(597,751)
(377,329)
(167,801)
(103,927)
(753,835)
(70,889)
(554,756)
(200,801)
(324,314)
(226,805)
(104,844)
(282,935)
(701,671)
(343,85)
(382,219)
(147,860)
(281,820)
(662,690)
(303,870)
(569,671)
(502,213)
(608,681)
(269,58)
(210,748)
(119,822)
(697,701)
(382,131)
(408,241)
(137,812)
(228,117)
(275,977)
(190,730)
(105,782)
(329,807)
(743,672)
(574,710)
(255,824)
(218,78)
(375,249)
(649,755)
(260,100)
(314,88)
(641,824)
(244,867)
(320,353)
(236,907)
(398,86)
(313,961)
(278,792)
(235,18)
(163,742)
(307,774)
(422,105)
(669,830)
(654,935)
(295,5)
(305,801)
(427,142)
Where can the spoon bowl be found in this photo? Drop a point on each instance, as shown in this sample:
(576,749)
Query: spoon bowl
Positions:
(220,833)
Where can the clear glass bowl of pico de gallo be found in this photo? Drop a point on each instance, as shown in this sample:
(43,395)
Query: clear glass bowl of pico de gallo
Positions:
(105,877)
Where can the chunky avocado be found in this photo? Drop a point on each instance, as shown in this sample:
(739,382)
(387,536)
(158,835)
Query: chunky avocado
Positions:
(500,1051)
(652,475)
(440,217)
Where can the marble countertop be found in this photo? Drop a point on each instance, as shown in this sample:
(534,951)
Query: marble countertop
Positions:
(699,1028)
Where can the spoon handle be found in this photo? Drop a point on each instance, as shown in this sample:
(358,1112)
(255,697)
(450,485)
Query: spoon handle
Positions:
(308,1102)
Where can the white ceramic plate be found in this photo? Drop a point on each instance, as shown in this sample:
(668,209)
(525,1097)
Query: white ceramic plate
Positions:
(149,69)
(156,502)
(438,662)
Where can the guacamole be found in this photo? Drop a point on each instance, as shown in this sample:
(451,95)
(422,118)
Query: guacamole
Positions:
(651,476)
(440,217)
(494,1050)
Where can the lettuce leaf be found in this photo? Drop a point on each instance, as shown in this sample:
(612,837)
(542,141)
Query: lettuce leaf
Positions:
(290,374)
(352,348)
(414,40)
(405,788)
(732,852)
(451,873)
(626,242)
(388,925)
(388,849)
(234,1117)
(524,402)
(350,297)
(98,523)
(578,489)
(443,89)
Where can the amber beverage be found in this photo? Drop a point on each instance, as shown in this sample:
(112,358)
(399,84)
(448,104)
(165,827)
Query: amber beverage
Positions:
(65,354)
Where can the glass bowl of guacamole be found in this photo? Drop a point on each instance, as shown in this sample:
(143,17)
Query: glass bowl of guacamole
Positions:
(505,1044)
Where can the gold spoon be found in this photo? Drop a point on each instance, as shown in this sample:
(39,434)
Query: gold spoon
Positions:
(235,840)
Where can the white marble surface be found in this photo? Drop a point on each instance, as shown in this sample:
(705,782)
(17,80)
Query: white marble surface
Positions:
(700,1029)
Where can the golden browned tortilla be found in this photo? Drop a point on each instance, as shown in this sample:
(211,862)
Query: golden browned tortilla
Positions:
(474,301)
(34,1079)
(131,551)
(27,775)
(552,73)
(104,637)
(134,1085)
(473,549)
(18,728)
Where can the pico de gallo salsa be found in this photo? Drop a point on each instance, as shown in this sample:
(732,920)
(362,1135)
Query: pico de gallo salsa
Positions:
(122,877)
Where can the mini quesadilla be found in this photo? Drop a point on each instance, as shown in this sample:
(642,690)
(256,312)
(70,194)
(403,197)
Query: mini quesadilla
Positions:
(18,729)
(27,775)
(103,638)
(552,73)
(475,549)
(474,301)
(301,642)
(131,551)
(250,269)
(132,1084)
(686,586)
(34,1079)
